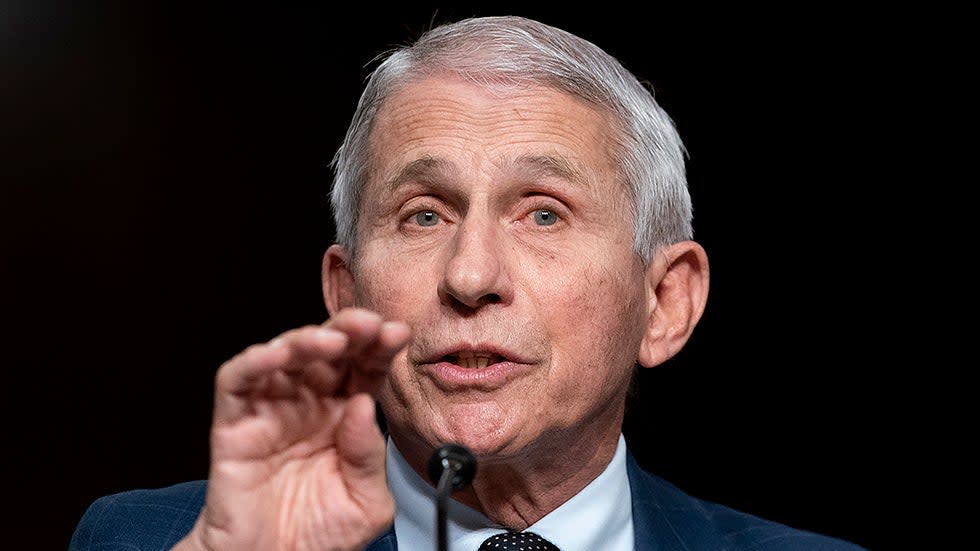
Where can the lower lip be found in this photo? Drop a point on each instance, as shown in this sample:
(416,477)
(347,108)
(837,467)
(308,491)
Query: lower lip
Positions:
(451,377)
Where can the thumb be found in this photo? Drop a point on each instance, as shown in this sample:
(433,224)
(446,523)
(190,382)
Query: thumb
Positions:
(361,448)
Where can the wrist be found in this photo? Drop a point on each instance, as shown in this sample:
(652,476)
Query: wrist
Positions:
(193,541)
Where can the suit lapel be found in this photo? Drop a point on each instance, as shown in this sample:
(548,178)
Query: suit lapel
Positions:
(652,528)
(385,543)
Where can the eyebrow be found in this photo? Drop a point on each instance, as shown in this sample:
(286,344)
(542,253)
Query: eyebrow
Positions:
(436,170)
(555,166)
(428,169)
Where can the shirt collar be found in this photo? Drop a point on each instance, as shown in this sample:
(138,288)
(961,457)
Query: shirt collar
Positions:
(598,517)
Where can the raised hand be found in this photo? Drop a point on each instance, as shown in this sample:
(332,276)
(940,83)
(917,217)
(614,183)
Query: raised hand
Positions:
(297,459)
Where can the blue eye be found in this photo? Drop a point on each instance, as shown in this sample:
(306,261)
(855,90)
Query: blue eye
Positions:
(426,218)
(544,217)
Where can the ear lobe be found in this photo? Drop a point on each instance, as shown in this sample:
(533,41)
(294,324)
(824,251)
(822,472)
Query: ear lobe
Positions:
(677,280)
(337,279)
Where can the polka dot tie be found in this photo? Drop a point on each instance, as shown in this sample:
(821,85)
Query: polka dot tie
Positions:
(517,541)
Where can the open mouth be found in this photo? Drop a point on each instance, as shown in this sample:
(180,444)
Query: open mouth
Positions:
(473,360)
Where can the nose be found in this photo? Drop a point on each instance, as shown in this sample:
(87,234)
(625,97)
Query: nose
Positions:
(476,273)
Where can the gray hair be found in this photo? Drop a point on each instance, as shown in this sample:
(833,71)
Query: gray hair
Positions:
(518,51)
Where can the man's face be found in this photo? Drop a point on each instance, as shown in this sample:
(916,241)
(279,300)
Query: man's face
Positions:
(496,226)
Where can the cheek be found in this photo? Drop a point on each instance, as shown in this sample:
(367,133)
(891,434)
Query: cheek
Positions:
(383,285)
(597,318)
(600,297)
(379,298)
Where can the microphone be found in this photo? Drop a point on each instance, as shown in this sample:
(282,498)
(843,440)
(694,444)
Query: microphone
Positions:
(451,468)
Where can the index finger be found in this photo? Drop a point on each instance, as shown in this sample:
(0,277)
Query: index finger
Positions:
(372,344)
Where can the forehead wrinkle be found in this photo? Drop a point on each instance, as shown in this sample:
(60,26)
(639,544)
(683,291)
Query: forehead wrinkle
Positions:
(556,166)
(436,170)
(425,169)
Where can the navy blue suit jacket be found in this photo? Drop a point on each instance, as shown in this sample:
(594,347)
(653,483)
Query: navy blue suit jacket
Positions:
(664,519)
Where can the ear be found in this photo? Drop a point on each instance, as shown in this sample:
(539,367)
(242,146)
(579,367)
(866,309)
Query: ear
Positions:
(338,280)
(677,284)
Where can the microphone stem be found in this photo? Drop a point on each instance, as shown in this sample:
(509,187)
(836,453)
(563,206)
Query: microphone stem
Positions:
(443,489)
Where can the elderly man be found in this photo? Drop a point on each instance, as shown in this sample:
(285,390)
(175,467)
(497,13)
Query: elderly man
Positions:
(513,239)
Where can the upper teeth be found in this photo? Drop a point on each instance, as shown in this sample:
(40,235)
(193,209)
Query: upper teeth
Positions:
(473,360)
(478,362)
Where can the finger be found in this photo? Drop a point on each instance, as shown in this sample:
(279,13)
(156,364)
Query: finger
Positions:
(271,370)
(350,355)
(361,446)
(370,338)
(394,337)
(375,361)
(244,372)
(361,365)
(312,342)
(372,343)
(361,326)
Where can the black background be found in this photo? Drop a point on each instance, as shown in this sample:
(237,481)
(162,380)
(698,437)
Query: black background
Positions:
(165,207)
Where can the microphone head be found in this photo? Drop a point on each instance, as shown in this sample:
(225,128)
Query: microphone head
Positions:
(456,458)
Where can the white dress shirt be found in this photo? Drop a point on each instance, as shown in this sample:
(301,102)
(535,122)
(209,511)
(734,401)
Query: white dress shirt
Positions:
(598,517)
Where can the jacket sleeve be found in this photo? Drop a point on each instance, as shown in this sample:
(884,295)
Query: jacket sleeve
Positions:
(139,520)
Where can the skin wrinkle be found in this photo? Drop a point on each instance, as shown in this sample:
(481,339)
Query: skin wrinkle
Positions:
(549,173)
(530,167)
(424,169)
(504,301)
(572,296)
(492,491)
(403,120)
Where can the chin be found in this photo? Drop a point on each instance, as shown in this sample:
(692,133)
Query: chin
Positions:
(483,446)
(486,438)
(486,428)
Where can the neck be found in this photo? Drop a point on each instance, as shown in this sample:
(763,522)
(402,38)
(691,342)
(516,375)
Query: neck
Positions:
(517,491)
